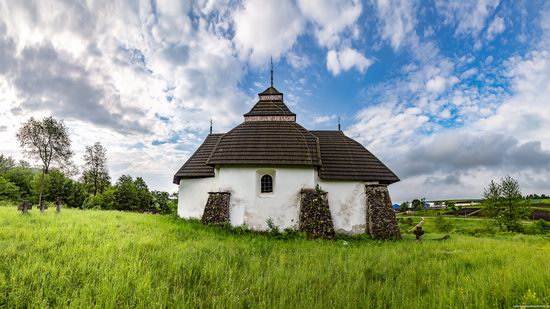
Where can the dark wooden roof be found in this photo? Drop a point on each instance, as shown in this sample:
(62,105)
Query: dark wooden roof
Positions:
(345,159)
(267,143)
(196,167)
(268,107)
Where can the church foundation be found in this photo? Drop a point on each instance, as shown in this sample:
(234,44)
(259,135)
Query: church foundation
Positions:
(315,217)
(216,210)
(381,222)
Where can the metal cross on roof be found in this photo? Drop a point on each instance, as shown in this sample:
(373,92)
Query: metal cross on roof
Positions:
(271,71)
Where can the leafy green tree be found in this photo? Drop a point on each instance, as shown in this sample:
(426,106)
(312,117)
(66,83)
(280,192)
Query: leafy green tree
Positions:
(417,204)
(145,199)
(47,140)
(126,196)
(22,178)
(8,190)
(404,206)
(96,174)
(163,203)
(75,193)
(505,203)
(6,163)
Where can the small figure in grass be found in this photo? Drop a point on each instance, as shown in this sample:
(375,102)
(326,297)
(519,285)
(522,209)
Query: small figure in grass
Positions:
(24,207)
(418,232)
(58,205)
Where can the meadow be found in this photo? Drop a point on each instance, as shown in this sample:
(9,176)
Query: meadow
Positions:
(118,259)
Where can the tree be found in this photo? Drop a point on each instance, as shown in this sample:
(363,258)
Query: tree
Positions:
(144,197)
(46,140)
(96,174)
(126,196)
(506,204)
(6,163)
(417,204)
(404,206)
(8,190)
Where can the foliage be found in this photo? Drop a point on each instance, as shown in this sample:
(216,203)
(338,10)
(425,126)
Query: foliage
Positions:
(542,226)
(6,163)
(132,194)
(22,178)
(404,206)
(417,204)
(505,203)
(112,259)
(272,227)
(442,224)
(162,203)
(96,174)
(8,190)
(47,140)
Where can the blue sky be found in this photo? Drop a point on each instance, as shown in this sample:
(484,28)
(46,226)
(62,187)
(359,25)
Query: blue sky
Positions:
(449,94)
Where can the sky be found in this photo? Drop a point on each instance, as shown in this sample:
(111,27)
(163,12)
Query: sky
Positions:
(449,94)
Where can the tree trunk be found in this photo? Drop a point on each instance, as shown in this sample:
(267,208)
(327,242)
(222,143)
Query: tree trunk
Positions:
(40,204)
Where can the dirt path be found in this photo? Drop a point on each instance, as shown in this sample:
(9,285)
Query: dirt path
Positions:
(419,224)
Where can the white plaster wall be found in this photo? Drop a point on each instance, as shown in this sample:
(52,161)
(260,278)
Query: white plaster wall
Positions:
(253,208)
(347,202)
(193,194)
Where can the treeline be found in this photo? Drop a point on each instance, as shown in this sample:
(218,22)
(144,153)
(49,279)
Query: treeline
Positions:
(20,181)
(48,141)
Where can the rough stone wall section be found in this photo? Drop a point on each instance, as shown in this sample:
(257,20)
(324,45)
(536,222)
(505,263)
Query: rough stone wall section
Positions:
(381,220)
(315,217)
(216,210)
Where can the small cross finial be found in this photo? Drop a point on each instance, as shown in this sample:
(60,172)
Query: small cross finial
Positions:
(271,71)
(339,123)
(210,125)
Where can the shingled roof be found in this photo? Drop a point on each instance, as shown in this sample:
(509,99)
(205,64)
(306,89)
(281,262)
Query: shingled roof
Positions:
(345,159)
(267,143)
(196,167)
(269,138)
(270,104)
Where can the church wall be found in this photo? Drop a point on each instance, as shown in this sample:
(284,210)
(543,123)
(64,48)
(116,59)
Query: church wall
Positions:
(347,202)
(193,194)
(250,207)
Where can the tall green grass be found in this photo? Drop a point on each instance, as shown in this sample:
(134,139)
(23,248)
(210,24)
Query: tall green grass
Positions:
(114,259)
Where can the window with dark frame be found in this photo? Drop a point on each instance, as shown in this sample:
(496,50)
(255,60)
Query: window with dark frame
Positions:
(266,184)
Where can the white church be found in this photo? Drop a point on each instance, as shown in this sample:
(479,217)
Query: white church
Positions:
(263,164)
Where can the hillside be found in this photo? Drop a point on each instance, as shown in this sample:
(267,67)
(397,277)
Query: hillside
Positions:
(116,259)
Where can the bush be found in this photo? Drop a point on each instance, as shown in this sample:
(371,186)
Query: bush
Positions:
(542,227)
(443,225)
(8,190)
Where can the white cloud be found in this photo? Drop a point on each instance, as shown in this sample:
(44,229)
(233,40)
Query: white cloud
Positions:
(259,28)
(469,16)
(126,72)
(439,84)
(344,60)
(323,119)
(496,27)
(331,18)
(298,62)
(397,18)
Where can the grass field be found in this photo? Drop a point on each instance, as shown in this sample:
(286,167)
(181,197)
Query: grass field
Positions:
(114,259)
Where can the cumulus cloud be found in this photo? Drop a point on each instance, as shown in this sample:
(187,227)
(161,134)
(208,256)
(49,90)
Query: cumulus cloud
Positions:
(496,27)
(346,59)
(331,17)
(130,73)
(468,16)
(397,17)
(258,28)
(501,131)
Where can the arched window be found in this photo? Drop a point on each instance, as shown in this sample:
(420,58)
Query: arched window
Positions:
(266,184)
